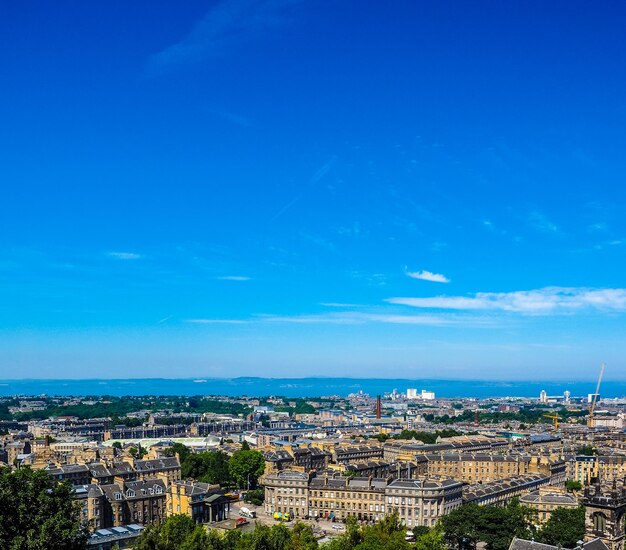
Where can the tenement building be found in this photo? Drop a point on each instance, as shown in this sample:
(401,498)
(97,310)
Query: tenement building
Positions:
(418,501)
(287,491)
(498,493)
(587,468)
(547,499)
(423,502)
(123,502)
(486,467)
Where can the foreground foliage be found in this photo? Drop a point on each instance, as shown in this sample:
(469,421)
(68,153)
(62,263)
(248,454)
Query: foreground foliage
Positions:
(38,513)
(564,528)
(180,532)
(497,526)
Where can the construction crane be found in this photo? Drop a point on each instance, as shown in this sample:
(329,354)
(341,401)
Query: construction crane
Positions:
(592,407)
(555,418)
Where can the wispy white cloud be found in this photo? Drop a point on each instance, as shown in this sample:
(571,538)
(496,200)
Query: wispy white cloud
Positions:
(315,178)
(543,301)
(227,23)
(350,318)
(357,318)
(540,223)
(236,119)
(338,304)
(217,321)
(428,276)
(233,278)
(124,255)
(598,227)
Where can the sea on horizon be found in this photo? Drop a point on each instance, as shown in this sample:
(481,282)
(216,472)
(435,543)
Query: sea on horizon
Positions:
(301,387)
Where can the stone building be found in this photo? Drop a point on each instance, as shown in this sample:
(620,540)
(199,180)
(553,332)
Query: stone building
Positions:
(500,492)
(122,503)
(586,469)
(340,497)
(486,467)
(547,499)
(125,502)
(418,501)
(168,466)
(205,503)
(287,491)
(423,502)
(605,511)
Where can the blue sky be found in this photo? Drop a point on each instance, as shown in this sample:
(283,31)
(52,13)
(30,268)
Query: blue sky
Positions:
(286,188)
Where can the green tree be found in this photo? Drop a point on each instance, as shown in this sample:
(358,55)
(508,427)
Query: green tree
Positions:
(246,467)
(420,531)
(231,540)
(245,446)
(302,537)
(176,530)
(178,449)
(461,524)
(209,467)
(387,534)
(201,539)
(587,450)
(432,539)
(137,452)
(280,537)
(565,527)
(36,512)
(573,485)
(256,496)
(494,525)
(150,539)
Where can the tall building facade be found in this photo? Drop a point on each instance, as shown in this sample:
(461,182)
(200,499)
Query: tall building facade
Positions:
(605,513)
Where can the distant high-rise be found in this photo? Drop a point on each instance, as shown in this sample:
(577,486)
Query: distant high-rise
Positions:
(428,395)
(411,393)
(543,397)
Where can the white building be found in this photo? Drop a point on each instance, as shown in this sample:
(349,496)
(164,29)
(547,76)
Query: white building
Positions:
(543,397)
(411,393)
(428,395)
(590,397)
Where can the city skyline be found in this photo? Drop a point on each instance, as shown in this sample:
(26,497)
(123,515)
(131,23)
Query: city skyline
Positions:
(289,188)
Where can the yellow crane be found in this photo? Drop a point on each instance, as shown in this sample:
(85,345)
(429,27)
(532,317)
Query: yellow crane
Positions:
(592,407)
(555,418)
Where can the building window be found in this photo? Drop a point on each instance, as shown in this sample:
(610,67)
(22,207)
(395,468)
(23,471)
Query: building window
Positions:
(599,522)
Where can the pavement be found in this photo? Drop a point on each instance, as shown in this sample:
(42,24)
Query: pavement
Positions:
(321,527)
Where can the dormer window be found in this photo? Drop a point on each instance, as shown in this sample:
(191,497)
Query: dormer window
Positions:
(118,496)
(130,493)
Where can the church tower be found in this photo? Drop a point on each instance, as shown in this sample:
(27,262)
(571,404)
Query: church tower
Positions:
(605,512)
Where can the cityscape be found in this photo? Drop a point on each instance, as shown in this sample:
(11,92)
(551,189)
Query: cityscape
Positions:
(232,464)
(308,275)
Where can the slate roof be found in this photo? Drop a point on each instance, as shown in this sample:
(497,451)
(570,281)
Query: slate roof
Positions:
(523,544)
(158,464)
